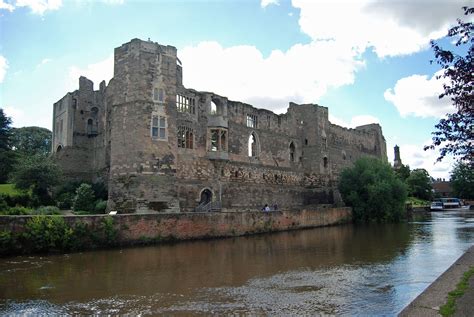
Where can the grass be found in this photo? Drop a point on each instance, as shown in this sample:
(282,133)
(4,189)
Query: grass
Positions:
(9,189)
(449,308)
(416,202)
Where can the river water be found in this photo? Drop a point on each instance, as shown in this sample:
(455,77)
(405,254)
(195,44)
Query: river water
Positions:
(342,270)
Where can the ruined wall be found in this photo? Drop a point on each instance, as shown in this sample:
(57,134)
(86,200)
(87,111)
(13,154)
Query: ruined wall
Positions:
(163,146)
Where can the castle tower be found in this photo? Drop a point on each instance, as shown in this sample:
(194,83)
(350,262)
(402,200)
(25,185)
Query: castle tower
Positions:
(397,161)
(141,112)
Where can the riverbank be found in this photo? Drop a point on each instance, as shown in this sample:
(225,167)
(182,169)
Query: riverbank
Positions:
(85,232)
(429,302)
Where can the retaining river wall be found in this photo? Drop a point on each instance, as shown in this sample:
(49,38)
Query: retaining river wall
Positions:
(136,228)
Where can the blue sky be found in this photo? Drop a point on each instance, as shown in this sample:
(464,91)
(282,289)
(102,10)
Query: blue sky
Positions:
(367,61)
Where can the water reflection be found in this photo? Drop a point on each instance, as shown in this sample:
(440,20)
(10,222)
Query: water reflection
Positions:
(371,269)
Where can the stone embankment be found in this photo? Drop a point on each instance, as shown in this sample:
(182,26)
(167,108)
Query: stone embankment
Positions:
(139,228)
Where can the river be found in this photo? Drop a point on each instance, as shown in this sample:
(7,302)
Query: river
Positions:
(341,270)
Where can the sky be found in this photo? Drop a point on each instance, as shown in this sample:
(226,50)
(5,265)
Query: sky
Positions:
(368,61)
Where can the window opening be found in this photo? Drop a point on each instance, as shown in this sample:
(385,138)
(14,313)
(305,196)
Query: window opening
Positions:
(158,127)
(252,145)
(325,162)
(218,140)
(251,121)
(185,104)
(185,137)
(292,152)
(213,108)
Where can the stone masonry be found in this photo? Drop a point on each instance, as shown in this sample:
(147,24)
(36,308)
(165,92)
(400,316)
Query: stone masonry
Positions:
(161,147)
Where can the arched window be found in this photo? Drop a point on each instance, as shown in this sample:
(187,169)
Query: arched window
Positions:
(325,162)
(253,145)
(292,152)
(213,107)
(90,123)
(59,148)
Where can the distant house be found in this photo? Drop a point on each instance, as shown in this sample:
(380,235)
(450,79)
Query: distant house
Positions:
(442,188)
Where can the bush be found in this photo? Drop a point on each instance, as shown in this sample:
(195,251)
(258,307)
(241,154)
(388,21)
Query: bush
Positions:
(22,199)
(108,230)
(17,211)
(7,242)
(65,200)
(44,233)
(3,204)
(47,210)
(373,191)
(100,206)
(84,200)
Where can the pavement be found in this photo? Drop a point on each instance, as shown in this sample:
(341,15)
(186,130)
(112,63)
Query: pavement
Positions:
(429,302)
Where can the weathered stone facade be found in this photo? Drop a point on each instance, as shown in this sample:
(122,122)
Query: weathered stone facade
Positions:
(163,147)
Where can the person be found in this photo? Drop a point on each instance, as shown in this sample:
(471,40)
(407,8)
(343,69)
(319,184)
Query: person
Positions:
(266,208)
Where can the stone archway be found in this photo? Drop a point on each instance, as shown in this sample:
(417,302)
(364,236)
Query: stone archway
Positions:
(206,197)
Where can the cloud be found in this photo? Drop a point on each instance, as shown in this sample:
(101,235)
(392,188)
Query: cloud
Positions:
(265,3)
(3,68)
(102,70)
(36,6)
(356,121)
(303,73)
(6,6)
(44,61)
(389,27)
(418,95)
(414,156)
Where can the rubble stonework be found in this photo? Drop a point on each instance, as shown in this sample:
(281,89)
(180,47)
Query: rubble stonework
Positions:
(162,147)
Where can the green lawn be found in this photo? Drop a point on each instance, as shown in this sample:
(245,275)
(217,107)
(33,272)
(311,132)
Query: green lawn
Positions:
(9,189)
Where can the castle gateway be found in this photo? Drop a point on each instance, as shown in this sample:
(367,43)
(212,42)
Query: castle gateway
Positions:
(162,147)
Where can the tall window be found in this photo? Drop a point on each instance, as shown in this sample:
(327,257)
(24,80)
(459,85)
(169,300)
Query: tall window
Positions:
(158,127)
(158,95)
(218,141)
(213,107)
(185,104)
(292,152)
(251,121)
(253,145)
(185,137)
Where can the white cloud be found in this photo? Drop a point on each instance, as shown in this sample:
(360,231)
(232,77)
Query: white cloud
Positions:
(36,6)
(356,121)
(6,6)
(44,61)
(389,27)
(3,68)
(265,3)
(102,70)
(414,156)
(418,96)
(302,74)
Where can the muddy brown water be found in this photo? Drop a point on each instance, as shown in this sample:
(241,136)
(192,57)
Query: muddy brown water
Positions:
(342,270)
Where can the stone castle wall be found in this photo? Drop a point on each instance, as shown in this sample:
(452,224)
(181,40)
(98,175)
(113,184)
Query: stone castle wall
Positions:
(167,148)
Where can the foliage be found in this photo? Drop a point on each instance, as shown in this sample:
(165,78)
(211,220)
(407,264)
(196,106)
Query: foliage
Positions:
(454,134)
(16,211)
(100,190)
(44,233)
(84,200)
(403,172)
(10,190)
(100,206)
(23,199)
(31,141)
(462,181)
(7,155)
(108,230)
(373,191)
(416,202)
(419,184)
(47,210)
(7,242)
(39,174)
(449,308)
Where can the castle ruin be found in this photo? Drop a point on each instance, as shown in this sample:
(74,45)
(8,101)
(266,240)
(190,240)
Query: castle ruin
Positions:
(162,147)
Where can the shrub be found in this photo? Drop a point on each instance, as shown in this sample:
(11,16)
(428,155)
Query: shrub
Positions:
(100,206)
(47,210)
(108,230)
(84,199)
(3,204)
(7,242)
(17,211)
(21,199)
(44,233)
(65,200)
(373,191)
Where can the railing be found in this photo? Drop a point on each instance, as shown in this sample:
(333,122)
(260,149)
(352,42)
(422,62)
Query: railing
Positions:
(211,206)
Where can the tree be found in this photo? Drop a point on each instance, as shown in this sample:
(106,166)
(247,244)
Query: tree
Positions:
(419,184)
(85,198)
(403,172)
(373,191)
(31,140)
(462,181)
(39,174)
(454,134)
(7,156)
